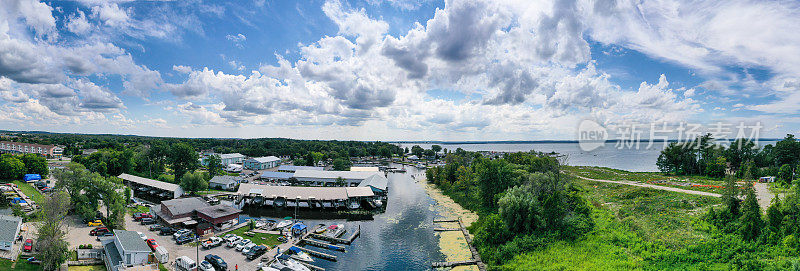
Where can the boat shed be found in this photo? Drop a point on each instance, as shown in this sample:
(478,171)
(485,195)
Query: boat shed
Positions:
(377,182)
(276,176)
(169,188)
(327,178)
(293,169)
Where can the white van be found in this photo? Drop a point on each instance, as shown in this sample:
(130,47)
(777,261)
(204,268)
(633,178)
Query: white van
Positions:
(161,254)
(185,263)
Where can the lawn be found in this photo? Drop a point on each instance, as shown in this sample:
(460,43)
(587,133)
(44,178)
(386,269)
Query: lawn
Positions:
(655,178)
(30,191)
(632,225)
(270,240)
(87,268)
(138,209)
(22,265)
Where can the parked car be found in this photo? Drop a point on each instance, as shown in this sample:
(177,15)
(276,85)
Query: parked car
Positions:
(233,241)
(184,239)
(140,216)
(155,227)
(95,223)
(104,235)
(212,242)
(246,249)
(166,231)
(99,231)
(206,266)
(185,263)
(28,245)
(148,221)
(152,244)
(256,252)
(242,244)
(180,233)
(217,262)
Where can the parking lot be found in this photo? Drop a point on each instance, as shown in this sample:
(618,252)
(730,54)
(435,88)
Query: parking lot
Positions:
(230,255)
(78,233)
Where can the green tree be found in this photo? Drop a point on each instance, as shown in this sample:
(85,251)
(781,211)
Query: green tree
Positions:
(182,158)
(750,221)
(52,246)
(716,167)
(417,150)
(35,164)
(341,164)
(11,167)
(436,148)
(193,182)
(786,151)
(214,165)
(785,174)
(494,177)
(677,159)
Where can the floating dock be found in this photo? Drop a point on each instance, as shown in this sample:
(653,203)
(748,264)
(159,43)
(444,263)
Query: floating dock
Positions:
(319,244)
(337,240)
(476,258)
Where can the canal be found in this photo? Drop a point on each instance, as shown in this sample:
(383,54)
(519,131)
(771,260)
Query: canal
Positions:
(401,238)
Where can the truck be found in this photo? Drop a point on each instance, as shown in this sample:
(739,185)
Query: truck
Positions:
(185,263)
(161,254)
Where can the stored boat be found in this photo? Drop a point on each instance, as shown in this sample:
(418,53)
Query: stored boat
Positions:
(283,262)
(320,229)
(335,230)
(283,224)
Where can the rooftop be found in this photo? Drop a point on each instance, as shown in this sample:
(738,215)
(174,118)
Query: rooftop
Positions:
(150,182)
(377,181)
(319,174)
(8,227)
(369,169)
(296,168)
(184,205)
(226,180)
(113,253)
(276,175)
(218,211)
(293,192)
(131,241)
(231,155)
(266,159)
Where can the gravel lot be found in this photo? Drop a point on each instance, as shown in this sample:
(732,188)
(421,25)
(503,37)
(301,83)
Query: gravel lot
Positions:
(79,233)
(230,255)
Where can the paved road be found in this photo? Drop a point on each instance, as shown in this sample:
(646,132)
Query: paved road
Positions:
(659,187)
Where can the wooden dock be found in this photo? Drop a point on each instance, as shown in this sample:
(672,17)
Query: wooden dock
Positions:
(319,244)
(337,240)
(476,258)
(312,267)
(446,229)
(318,254)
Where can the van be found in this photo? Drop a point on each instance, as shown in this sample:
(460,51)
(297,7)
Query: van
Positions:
(185,263)
(161,254)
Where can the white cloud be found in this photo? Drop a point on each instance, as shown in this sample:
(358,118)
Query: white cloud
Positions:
(237,39)
(111,14)
(78,24)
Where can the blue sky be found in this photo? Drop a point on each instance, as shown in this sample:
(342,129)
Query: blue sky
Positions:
(395,70)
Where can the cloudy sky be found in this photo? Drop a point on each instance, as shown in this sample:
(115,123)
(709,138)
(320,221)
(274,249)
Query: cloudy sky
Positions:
(396,69)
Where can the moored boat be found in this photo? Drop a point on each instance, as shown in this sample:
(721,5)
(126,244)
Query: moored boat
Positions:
(321,228)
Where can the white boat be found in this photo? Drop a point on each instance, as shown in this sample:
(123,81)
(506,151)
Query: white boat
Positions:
(302,256)
(283,261)
(378,203)
(354,205)
(283,223)
(320,229)
(335,230)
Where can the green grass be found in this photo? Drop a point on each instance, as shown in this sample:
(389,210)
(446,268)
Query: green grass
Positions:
(654,178)
(22,265)
(270,240)
(87,268)
(633,226)
(138,209)
(30,191)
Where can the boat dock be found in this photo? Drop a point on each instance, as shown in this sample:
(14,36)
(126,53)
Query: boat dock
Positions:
(335,239)
(318,244)
(476,258)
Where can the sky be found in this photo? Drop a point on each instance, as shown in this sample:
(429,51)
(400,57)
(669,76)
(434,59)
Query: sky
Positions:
(397,69)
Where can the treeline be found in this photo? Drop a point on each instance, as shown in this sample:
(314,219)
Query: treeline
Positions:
(251,147)
(742,157)
(523,200)
(14,167)
(89,190)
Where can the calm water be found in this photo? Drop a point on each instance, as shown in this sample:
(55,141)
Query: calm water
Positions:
(402,238)
(630,159)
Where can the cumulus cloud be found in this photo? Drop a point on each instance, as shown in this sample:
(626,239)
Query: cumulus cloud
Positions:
(78,24)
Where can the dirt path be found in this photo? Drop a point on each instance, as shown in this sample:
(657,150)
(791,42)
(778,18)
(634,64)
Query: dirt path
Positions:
(762,190)
(659,187)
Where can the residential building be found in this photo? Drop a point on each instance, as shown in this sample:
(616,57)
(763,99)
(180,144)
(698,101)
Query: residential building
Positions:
(18,147)
(126,249)
(9,230)
(225,182)
(260,163)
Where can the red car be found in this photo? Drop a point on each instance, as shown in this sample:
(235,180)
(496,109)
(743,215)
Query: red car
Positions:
(99,231)
(152,243)
(142,215)
(28,245)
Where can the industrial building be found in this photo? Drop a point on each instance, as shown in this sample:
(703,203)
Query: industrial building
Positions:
(260,163)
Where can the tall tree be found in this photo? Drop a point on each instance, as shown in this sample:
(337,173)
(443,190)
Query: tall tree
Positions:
(53,249)
(436,148)
(182,158)
(35,163)
(750,220)
(417,150)
(193,182)
(214,165)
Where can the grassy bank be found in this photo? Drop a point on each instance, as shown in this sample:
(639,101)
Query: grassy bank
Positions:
(30,191)
(270,240)
(655,178)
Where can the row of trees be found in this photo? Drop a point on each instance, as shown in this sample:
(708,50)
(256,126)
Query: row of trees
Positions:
(88,191)
(523,200)
(13,167)
(704,156)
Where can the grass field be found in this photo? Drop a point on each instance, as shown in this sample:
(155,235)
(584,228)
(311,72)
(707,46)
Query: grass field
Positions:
(87,268)
(30,191)
(632,224)
(22,265)
(270,240)
(654,178)
(138,209)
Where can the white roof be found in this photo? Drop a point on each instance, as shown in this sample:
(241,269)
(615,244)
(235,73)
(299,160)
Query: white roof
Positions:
(231,155)
(292,192)
(266,159)
(370,169)
(321,174)
(377,181)
(149,182)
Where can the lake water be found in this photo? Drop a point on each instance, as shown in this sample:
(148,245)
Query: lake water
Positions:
(401,238)
(609,155)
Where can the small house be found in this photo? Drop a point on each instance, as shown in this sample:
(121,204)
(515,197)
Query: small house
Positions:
(126,249)
(9,229)
(223,182)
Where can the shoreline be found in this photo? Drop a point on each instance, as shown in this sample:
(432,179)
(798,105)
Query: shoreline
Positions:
(451,243)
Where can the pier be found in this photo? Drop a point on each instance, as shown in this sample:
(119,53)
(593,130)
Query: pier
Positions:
(319,244)
(337,240)
(476,258)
